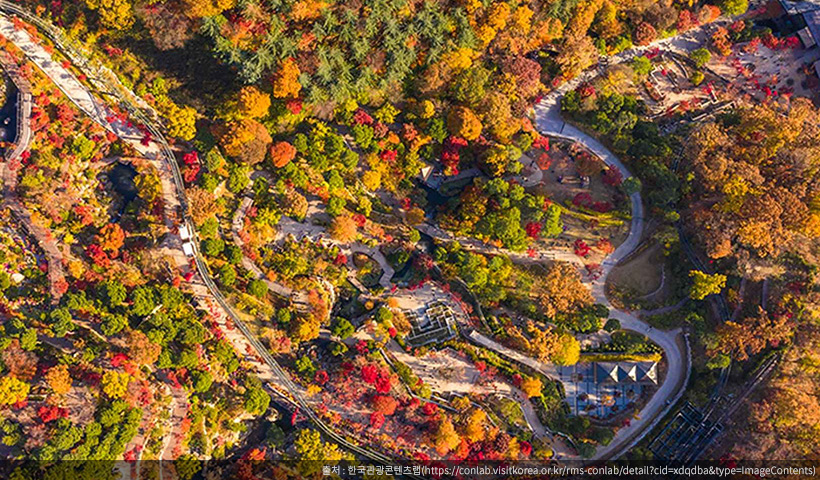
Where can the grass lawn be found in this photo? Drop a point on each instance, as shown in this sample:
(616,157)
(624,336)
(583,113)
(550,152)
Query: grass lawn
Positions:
(507,411)
(642,274)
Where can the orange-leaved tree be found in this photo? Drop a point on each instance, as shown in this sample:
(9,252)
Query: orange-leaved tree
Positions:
(281,153)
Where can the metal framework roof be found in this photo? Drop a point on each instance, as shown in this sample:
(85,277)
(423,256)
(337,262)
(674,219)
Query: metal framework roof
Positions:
(626,372)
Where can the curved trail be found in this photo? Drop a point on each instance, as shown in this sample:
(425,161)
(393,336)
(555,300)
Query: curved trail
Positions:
(548,121)
(86,102)
(173,191)
(54,256)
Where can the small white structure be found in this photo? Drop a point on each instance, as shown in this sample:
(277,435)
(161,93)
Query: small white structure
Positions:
(184,233)
(626,372)
(188,249)
(426,171)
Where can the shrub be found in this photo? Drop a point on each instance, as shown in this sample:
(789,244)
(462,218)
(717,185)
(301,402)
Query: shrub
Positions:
(258,288)
(701,56)
(621,357)
(612,324)
(641,66)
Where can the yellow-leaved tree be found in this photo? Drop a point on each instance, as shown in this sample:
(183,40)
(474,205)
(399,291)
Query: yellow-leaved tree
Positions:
(286,80)
(12,390)
(249,102)
(462,122)
(59,379)
(344,229)
(207,8)
(115,384)
(445,437)
(531,386)
(116,14)
(474,425)
(181,121)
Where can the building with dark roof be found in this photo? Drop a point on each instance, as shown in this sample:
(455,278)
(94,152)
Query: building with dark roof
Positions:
(803,19)
(800,6)
(603,389)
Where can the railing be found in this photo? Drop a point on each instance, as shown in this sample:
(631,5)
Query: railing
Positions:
(107,83)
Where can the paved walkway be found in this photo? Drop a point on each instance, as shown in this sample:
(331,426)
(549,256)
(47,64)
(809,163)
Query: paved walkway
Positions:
(56,273)
(179,410)
(549,370)
(240,337)
(475,245)
(299,230)
(548,121)
(80,95)
(236,227)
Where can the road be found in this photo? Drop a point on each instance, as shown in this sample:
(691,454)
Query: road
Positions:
(82,97)
(173,187)
(44,237)
(670,341)
(548,121)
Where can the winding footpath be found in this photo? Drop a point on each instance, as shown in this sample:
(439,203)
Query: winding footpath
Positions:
(548,122)
(78,95)
(674,344)
(306,229)
(237,224)
(56,274)
(241,337)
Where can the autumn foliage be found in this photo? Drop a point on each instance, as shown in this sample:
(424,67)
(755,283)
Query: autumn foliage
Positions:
(286,80)
(462,122)
(281,153)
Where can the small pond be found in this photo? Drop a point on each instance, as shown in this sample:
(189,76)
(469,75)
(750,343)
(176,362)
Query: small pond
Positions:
(122,177)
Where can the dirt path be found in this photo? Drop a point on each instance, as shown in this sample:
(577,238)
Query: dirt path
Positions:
(447,373)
